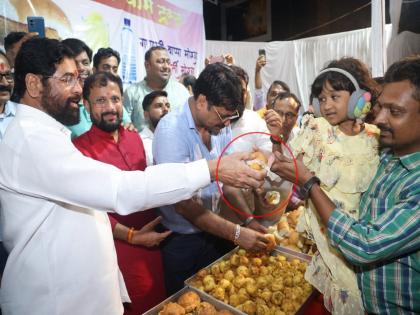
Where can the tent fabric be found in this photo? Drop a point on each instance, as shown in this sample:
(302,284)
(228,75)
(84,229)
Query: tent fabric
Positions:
(297,62)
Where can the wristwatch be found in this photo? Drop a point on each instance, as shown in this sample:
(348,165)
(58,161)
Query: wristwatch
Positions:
(306,188)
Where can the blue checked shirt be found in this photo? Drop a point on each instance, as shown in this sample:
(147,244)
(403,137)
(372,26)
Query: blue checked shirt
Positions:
(384,244)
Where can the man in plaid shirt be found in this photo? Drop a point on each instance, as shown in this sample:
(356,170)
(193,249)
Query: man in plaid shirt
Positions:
(384,244)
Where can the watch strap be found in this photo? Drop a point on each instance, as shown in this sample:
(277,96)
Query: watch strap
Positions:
(306,188)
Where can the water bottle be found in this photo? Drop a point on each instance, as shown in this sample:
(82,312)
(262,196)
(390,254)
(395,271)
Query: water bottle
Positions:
(129,53)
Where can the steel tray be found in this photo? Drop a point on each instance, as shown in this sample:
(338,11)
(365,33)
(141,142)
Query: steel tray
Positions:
(204,297)
(288,253)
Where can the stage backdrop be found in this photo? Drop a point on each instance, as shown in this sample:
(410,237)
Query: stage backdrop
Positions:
(128,26)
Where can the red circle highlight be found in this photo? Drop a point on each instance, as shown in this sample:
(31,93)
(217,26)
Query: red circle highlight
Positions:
(283,203)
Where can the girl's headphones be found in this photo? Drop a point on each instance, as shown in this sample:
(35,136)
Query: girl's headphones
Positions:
(359,102)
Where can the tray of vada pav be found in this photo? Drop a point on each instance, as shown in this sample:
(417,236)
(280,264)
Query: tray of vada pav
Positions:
(288,237)
(257,283)
(189,301)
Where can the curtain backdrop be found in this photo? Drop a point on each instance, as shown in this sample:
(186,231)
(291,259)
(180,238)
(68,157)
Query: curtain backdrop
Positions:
(297,62)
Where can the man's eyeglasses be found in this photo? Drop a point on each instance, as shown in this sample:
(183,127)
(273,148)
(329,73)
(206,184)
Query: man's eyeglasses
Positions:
(228,118)
(69,80)
(8,76)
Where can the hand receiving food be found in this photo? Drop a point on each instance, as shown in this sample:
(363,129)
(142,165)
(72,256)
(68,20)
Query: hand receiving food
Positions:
(234,172)
(147,236)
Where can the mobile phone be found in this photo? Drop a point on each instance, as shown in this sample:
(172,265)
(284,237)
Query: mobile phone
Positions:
(36,24)
(261,52)
(215,59)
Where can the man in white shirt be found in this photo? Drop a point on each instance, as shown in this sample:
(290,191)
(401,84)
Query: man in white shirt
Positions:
(287,106)
(155,106)
(7,113)
(7,108)
(158,77)
(61,253)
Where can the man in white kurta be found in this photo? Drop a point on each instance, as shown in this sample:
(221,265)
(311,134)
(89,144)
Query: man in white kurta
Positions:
(61,254)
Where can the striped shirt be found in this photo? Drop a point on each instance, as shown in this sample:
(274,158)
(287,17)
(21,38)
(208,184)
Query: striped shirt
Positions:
(384,244)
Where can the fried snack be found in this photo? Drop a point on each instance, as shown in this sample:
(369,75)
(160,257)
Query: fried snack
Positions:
(249,307)
(293,238)
(224,312)
(271,242)
(229,275)
(287,235)
(189,301)
(242,271)
(257,283)
(209,283)
(234,300)
(218,293)
(234,260)
(258,162)
(172,309)
(283,227)
(263,309)
(272,197)
(225,284)
(294,215)
(202,273)
(206,308)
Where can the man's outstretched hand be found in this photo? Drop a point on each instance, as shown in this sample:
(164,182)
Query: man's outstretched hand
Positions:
(233,171)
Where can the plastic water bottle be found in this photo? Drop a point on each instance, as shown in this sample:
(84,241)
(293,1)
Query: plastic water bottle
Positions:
(129,53)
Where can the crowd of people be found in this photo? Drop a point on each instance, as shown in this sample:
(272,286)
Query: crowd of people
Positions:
(111,198)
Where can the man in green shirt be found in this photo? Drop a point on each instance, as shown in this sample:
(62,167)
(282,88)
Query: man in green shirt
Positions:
(384,244)
(158,78)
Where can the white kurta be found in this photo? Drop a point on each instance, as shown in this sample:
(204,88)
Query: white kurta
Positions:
(62,257)
(147,138)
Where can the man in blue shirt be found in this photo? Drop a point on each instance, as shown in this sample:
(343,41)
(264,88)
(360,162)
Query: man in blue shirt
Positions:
(200,129)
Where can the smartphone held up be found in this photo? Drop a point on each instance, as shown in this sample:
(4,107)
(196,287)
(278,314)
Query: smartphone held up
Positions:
(36,25)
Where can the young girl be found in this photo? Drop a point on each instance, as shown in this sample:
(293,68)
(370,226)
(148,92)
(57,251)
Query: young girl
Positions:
(342,152)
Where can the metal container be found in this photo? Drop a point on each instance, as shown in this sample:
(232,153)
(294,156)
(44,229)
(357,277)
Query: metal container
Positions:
(288,253)
(204,297)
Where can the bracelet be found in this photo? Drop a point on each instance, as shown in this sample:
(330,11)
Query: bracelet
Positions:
(237,234)
(247,221)
(130,235)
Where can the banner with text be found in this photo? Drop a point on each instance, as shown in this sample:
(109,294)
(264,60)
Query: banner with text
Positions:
(129,26)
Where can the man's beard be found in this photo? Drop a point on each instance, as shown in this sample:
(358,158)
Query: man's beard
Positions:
(390,131)
(214,131)
(107,126)
(67,115)
(155,122)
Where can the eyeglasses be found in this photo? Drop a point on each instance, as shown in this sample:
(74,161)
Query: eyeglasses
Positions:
(225,119)
(8,76)
(69,80)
